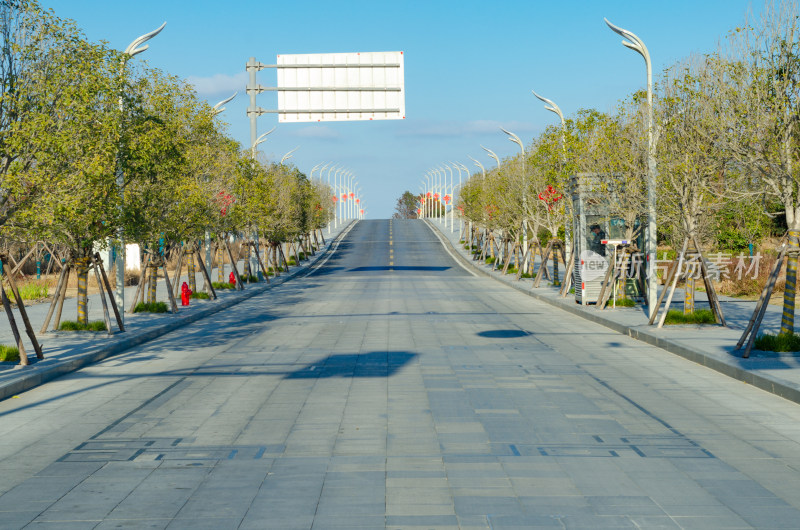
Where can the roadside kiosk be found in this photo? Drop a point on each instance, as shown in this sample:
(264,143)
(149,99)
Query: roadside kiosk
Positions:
(599,233)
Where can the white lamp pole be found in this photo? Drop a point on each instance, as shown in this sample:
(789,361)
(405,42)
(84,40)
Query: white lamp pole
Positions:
(134,48)
(636,44)
(514,138)
(215,110)
(552,107)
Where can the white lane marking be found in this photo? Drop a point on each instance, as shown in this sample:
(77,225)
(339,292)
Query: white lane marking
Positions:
(447,248)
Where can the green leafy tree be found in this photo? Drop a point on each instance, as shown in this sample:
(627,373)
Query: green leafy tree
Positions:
(406,207)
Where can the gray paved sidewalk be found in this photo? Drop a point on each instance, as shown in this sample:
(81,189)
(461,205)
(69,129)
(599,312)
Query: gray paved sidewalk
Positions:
(711,346)
(66,351)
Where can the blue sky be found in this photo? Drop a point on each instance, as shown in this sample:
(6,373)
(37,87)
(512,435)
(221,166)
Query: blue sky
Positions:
(469,67)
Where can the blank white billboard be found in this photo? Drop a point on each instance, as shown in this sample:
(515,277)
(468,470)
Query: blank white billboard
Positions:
(341,87)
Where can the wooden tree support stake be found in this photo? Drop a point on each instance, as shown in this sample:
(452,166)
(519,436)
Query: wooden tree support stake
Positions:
(763,301)
(543,267)
(239,285)
(56,298)
(140,286)
(23,314)
(207,278)
(23,356)
(106,317)
(107,284)
(261,263)
(178,269)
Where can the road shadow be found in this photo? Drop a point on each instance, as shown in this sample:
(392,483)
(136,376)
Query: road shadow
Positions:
(372,364)
(503,333)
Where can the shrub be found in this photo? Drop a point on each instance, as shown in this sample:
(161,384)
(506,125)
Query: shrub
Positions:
(623,302)
(95,325)
(490,260)
(526,275)
(147,307)
(252,278)
(200,296)
(782,342)
(9,353)
(703,316)
(222,285)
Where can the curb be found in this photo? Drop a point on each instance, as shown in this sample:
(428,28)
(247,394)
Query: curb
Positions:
(771,384)
(46,370)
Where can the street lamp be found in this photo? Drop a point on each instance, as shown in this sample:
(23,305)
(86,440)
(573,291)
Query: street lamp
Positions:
(552,107)
(514,138)
(636,44)
(218,108)
(491,154)
(449,169)
(134,48)
(215,111)
(483,169)
(259,140)
(288,155)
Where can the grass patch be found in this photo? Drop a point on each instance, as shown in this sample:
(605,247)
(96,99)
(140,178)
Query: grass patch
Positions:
(703,316)
(222,285)
(512,270)
(291,262)
(72,325)
(782,342)
(147,307)
(526,275)
(253,278)
(200,296)
(490,260)
(9,353)
(34,290)
(624,302)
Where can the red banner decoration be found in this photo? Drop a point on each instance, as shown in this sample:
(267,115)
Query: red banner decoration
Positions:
(550,197)
(334,198)
(358,201)
(436,196)
(224,200)
(344,197)
(447,199)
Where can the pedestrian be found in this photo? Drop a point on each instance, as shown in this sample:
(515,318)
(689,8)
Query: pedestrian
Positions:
(596,245)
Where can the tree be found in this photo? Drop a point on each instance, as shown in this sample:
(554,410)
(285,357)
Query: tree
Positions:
(406,207)
(762,96)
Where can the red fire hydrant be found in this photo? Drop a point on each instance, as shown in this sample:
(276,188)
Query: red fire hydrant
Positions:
(186,294)
(232,279)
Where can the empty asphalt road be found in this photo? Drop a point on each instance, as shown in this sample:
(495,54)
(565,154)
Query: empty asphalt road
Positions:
(391,388)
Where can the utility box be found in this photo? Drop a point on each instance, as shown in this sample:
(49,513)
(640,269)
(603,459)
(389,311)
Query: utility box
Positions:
(597,231)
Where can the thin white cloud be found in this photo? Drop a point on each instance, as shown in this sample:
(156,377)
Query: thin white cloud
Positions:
(471,128)
(219,83)
(319,132)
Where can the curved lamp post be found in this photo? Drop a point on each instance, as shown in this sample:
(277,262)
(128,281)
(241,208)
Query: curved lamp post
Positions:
(288,155)
(218,108)
(259,140)
(134,48)
(491,154)
(636,44)
(552,107)
(514,138)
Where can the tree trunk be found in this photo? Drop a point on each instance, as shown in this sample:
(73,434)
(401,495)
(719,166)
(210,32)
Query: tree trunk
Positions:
(787,322)
(191,270)
(220,264)
(82,267)
(151,297)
